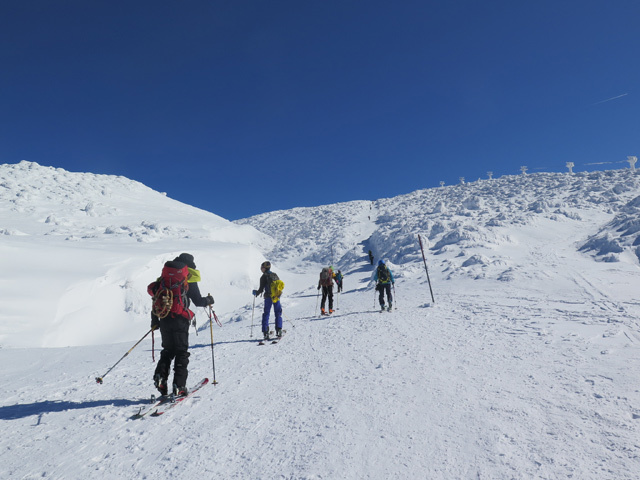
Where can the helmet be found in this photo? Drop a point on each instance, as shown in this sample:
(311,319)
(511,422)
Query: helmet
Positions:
(266,265)
(380,262)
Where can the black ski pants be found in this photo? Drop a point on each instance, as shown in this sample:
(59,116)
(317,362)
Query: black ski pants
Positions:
(385,287)
(175,345)
(327,292)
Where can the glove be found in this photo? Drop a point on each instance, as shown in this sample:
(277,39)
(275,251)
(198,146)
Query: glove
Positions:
(209,299)
(318,287)
(255,293)
(155,322)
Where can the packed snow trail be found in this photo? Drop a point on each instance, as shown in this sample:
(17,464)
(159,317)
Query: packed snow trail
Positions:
(475,387)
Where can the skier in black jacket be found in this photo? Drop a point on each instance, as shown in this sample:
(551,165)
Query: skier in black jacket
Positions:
(267,278)
(174,330)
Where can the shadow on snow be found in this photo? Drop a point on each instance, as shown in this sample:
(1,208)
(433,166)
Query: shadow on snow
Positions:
(14,412)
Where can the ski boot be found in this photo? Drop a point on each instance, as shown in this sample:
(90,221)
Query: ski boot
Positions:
(180,391)
(278,332)
(160,383)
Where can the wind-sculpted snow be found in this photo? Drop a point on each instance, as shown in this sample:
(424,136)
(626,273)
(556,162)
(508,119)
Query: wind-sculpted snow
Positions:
(454,220)
(620,235)
(317,235)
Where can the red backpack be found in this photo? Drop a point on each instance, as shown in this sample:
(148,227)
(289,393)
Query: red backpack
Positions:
(169,292)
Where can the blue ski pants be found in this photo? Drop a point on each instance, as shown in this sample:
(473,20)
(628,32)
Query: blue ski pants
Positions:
(277,309)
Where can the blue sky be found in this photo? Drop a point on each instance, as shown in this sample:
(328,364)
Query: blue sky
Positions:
(241,107)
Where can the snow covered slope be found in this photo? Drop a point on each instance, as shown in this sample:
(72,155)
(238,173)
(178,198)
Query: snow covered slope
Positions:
(470,228)
(79,249)
(524,367)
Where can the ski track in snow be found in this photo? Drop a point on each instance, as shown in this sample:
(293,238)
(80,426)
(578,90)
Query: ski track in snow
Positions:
(524,367)
(466,388)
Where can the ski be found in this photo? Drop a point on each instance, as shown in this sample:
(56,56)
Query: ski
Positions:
(277,339)
(156,403)
(162,401)
(178,400)
(262,342)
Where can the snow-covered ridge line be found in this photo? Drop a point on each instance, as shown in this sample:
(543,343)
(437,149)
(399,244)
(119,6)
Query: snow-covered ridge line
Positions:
(458,217)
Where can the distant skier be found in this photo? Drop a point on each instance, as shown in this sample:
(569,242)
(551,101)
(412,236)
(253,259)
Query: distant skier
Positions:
(175,319)
(326,283)
(339,277)
(384,279)
(269,277)
(371,257)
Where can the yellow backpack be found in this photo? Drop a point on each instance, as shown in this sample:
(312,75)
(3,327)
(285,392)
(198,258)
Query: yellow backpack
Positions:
(277,286)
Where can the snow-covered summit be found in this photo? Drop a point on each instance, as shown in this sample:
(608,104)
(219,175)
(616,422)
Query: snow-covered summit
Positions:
(38,200)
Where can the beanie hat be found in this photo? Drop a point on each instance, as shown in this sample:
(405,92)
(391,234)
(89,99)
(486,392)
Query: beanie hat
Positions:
(187,259)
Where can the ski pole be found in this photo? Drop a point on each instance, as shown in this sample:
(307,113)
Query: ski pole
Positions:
(99,379)
(317,298)
(213,358)
(252,311)
(395,297)
(287,319)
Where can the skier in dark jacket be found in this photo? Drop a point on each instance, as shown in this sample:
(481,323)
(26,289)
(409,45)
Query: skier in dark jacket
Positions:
(268,277)
(384,279)
(326,283)
(174,330)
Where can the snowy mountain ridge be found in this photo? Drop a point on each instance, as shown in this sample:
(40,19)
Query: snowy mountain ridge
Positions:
(461,221)
(52,201)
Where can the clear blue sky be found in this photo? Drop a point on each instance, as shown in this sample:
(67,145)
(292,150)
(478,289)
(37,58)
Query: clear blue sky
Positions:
(241,107)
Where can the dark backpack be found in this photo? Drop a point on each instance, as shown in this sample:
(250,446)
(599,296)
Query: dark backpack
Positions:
(384,276)
(170,291)
(325,276)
